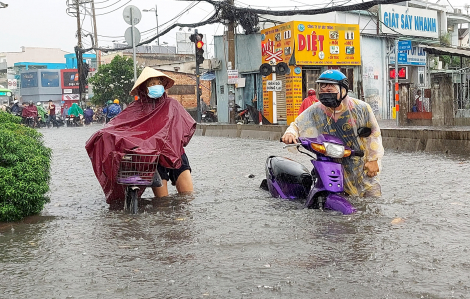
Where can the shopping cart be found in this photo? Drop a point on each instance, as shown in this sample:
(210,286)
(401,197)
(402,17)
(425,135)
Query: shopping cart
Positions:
(137,171)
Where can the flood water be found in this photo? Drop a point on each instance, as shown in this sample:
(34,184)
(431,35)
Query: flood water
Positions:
(231,240)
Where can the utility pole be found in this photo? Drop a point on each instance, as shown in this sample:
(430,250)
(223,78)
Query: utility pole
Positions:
(95,33)
(78,54)
(156,16)
(231,61)
(397,96)
(198,96)
(79,29)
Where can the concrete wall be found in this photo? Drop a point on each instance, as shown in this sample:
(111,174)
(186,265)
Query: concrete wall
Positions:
(189,100)
(442,95)
(404,140)
(247,60)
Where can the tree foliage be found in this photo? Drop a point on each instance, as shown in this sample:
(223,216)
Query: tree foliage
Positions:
(114,81)
(24,169)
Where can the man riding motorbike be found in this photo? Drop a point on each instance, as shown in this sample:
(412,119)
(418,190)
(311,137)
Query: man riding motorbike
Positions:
(30,115)
(339,115)
(42,114)
(15,108)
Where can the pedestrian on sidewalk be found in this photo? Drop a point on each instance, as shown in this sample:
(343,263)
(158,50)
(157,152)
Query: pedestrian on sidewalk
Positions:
(419,101)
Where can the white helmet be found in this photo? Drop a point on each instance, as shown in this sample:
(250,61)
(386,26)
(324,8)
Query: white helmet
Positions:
(38,104)
(15,101)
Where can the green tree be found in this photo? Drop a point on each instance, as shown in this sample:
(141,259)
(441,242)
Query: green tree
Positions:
(114,81)
(24,169)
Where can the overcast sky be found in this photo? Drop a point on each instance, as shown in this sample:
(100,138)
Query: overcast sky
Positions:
(45,23)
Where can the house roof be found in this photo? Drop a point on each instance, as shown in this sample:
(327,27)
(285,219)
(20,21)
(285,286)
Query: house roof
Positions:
(445,51)
(463,32)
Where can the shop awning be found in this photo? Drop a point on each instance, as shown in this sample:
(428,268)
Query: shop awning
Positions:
(445,51)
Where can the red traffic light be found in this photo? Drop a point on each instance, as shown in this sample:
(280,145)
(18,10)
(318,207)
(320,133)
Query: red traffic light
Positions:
(199,44)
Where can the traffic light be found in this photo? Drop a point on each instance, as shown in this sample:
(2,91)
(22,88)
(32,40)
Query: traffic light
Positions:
(197,40)
(199,90)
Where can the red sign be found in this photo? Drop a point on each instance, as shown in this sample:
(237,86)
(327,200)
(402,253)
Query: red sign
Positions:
(276,56)
(402,73)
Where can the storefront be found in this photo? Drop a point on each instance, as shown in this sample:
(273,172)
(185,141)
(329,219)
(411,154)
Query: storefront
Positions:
(411,26)
(308,48)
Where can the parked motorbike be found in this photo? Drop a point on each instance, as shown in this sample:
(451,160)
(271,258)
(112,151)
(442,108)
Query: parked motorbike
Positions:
(60,120)
(209,116)
(323,186)
(242,116)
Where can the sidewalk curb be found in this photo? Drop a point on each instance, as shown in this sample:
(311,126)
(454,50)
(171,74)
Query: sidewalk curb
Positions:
(406,139)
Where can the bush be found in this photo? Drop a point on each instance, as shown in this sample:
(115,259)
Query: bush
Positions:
(24,169)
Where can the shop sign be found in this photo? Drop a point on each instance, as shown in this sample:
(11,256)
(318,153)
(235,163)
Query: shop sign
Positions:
(232,76)
(313,43)
(415,56)
(12,84)
(397,20)
(70,78)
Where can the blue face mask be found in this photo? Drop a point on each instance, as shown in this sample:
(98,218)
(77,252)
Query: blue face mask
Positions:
(156,91)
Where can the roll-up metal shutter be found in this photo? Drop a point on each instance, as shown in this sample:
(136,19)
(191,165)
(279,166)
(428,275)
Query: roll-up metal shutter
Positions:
(281,99)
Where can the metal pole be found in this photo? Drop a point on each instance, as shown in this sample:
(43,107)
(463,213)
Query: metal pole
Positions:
(397,96)
(98,52)
(156,16)
(133,45)
(274,102)
(198,97)
(79,29)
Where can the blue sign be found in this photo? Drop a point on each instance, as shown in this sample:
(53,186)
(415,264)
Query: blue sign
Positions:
(402,57)
(404,45)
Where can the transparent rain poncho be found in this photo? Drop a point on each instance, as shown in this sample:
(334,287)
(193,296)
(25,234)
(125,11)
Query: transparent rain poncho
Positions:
(343,123)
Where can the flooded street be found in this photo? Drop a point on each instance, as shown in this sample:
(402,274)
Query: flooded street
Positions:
(232,240)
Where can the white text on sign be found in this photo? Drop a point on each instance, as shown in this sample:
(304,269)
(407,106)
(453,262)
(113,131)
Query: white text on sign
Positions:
(273,85)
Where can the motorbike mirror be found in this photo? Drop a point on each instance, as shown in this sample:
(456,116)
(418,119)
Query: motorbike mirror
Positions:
(364,132)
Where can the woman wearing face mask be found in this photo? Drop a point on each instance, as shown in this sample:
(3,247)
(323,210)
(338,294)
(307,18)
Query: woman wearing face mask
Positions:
(154,124)
(338,114)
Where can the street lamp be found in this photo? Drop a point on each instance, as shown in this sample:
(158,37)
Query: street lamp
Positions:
(156,16)
(3,5)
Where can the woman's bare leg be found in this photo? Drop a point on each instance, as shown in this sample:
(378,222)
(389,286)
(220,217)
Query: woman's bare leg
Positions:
(161,191)
(184,183)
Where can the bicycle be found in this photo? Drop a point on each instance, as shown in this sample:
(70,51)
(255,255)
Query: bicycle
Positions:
(137,171)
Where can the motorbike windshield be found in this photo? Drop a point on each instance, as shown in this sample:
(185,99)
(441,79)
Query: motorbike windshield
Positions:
(154,127)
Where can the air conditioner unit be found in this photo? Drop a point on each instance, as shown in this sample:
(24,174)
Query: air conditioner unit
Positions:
(216,63)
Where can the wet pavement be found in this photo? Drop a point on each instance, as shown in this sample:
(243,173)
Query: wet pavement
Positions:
(231,240)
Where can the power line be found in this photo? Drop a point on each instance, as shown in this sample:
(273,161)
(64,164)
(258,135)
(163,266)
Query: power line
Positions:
(102,14)
(108,5)
(226,12)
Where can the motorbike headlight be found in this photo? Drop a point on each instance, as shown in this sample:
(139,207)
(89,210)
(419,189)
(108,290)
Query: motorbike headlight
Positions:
(334,150)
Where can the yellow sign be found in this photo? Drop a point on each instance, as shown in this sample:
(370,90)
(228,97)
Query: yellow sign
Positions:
(312,44)
(300,44)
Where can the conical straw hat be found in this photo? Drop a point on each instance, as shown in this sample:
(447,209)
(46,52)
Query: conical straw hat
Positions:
(149,72)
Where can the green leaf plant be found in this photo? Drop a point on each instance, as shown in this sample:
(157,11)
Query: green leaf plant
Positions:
(24,170)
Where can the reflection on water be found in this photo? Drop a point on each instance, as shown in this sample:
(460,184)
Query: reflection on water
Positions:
(231,240)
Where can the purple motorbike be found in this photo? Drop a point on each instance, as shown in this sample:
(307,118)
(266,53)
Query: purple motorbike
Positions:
(323,186)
